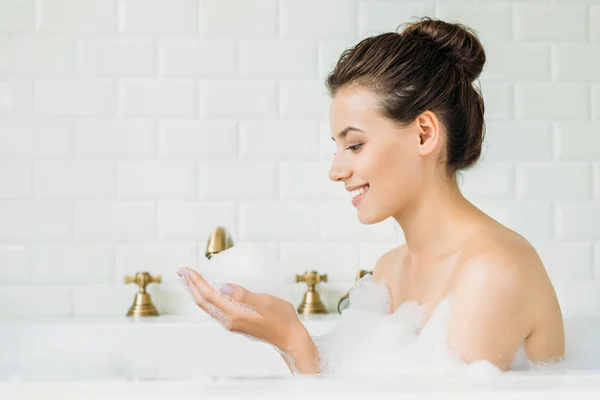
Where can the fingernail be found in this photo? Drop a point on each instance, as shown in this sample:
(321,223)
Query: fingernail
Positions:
(185,272)
(225,288)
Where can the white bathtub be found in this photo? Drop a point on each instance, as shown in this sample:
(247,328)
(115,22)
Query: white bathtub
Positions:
(185,357)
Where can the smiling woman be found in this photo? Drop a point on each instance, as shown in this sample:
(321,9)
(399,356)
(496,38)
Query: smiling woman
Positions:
(464,290)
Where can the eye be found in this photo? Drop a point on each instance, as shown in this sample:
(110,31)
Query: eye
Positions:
(355,147)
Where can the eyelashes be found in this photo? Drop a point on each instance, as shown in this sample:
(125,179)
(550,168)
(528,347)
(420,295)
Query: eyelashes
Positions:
(353,148)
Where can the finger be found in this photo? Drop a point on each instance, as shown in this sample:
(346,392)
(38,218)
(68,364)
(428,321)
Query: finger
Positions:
(207,292)
(256,301)
(209,308)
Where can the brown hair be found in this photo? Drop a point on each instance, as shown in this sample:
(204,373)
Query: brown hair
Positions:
(430,65)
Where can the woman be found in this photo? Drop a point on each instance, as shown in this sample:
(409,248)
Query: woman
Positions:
(406,119)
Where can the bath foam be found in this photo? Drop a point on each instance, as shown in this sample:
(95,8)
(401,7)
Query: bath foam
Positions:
(368,340)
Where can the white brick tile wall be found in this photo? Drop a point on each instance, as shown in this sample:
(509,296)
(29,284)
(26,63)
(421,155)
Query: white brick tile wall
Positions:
(17,16)
(164,98)
(27,55)
(57,179)
(15,175)
(76,16)
(15,264)
(16,97)
(72,263)
(158,17)
(37,137)
(538,22)
(193,138)
(129,129)
(317,19)
(120,57)
(246,99)
(190,57)
(239,18)
(76,97)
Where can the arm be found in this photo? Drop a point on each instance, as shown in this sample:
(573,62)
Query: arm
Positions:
(491,306)
(301,356)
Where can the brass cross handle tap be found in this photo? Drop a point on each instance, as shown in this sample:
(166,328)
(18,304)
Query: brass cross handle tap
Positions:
(311,302)
(142,303)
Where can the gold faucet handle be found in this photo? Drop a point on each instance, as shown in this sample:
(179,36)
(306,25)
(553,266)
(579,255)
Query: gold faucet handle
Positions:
(142,279)
(311,278)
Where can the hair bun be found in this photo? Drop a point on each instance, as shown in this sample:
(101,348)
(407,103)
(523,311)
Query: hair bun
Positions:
(459,41)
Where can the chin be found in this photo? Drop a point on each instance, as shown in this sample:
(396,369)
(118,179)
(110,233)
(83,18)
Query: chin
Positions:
(369,219)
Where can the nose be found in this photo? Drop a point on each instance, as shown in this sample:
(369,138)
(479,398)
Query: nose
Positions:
(339,170)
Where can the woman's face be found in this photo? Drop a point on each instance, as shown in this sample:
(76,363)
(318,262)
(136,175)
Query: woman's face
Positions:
(378,153)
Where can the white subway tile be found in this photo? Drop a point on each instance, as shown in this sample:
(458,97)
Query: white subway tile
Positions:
(595,28)
(327,146)
(596,102)
(16,97)
(17,16)
(597,260)
(278,58)
(281,221)
(116,57)
(239,18)
(15,176)
(194,220)
(156,258)
(578,141)
(159,98)
(74,179)
(554,181)
(72,263)
(577,62)
(329,54)
(76,16)
(116,138)
(534,220)
(49,301)
(158,17)
(37,137)
(337,260)
(596,177)
(309,181)
(548,101)
(517,141)
(517,61)
(76,97)
(489,180)
(578,220)
(193,138)
(279,139)
(541,22)
(105,300)
(115,221)
(249,99)
(339,222)
(35,220)
(15,264)
(304,99)
(566,260)
(232,179)
(28,55)
(578,298)
(490,21)
(498,99)
(183,57)
(154,179)
(317,19)
(375,17)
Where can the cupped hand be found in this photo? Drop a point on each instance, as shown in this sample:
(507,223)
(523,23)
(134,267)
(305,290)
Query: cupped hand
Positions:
(260,315)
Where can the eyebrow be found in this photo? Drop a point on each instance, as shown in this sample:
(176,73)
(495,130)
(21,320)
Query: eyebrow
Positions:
(345,131)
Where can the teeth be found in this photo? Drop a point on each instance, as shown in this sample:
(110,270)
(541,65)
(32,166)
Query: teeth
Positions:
(359,191)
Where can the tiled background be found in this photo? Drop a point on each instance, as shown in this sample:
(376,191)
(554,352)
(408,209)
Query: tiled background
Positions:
(129,129)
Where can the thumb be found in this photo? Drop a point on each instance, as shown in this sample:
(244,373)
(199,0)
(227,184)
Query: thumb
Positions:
(242,295)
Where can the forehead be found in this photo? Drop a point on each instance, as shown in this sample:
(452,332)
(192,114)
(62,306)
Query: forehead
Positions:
(352,106)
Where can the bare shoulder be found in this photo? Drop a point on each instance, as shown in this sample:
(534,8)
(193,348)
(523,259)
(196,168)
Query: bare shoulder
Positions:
(386,261)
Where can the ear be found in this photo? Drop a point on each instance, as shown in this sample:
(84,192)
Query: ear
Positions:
(429,133)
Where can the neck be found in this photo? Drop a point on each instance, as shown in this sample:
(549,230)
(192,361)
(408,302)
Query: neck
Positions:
(438,222)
